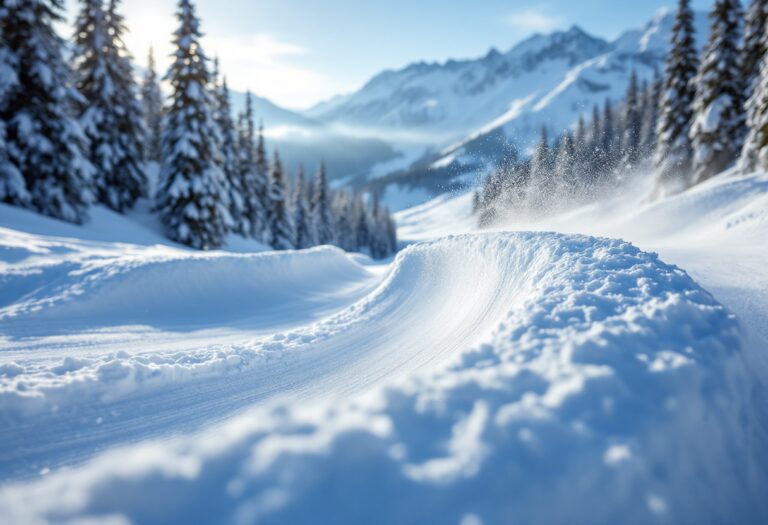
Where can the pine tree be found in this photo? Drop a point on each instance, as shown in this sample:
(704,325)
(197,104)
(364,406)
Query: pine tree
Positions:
(755,45)
(718,126)
(630,147)
(253,180)
(344,227)
(651,117)
(390,229)
(580,137)
(567,177)
(593,161)
(192,199)
(754,156)
(278,217)
(261,150)
(321,209)
(43,141)
(301,214)
(580,146)
(13,190)
(674,151)
(129,182)
(229,154)
(380,244)
(362,225)
(542,178)
(475,202)
(111,115)
(611,146)
(152,100)
(262,164)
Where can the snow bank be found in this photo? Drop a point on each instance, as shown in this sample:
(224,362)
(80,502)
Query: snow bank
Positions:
(607,387)
(54,289)
(164,288)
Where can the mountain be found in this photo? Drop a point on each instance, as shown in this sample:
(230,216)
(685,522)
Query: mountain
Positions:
(302,140)
(447,100)
(270,113)
(450,120)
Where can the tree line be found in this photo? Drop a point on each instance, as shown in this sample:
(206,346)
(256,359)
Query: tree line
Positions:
(83,131)
(705,113)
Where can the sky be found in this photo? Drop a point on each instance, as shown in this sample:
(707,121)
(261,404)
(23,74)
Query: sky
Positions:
(300,52)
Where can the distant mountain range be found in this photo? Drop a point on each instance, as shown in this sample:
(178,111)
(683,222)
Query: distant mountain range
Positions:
(446,121)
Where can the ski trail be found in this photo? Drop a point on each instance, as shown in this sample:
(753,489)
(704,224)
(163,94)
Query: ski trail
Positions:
(432,304)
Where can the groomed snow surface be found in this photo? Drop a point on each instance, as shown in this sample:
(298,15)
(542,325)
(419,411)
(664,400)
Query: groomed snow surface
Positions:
(480,378)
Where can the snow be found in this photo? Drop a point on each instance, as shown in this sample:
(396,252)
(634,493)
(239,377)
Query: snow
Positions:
(479,377)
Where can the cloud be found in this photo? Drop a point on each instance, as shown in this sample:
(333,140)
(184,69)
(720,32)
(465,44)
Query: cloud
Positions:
(533,19)
(270,68)
(258,49)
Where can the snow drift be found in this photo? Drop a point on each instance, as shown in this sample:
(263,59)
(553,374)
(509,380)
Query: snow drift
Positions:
(547,377)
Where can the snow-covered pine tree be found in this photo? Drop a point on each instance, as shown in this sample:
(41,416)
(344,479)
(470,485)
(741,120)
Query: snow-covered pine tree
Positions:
(281,235)
(12,187)
(542,179)
(475,202)
(321,208)
(152,100)
(566,174)
(261,150)
(13,190)
(611,148)
(117,136)
(593,156)
(718,127)
(253,181)
(344,227)
(262,164)
(674,151)
(391,232)
(300,212)
(362,225)
(44,141)
(650,117)
(754,156)
(633,122)
(580,146)
(192,198)
(755,45)
(377,242)
(229,154)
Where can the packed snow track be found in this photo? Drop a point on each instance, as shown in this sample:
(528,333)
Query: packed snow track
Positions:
(464,379)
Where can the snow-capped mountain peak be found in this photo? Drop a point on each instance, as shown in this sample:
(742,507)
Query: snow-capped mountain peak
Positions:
(457,96)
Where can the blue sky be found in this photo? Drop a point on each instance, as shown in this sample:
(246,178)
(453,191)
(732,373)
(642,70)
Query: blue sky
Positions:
(299,52)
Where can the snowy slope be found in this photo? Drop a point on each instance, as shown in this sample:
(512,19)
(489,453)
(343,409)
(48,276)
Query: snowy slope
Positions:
(546,359)
(548,377)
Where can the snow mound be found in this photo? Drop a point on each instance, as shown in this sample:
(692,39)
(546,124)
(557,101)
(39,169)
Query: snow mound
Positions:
(163,288)
(596,385)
